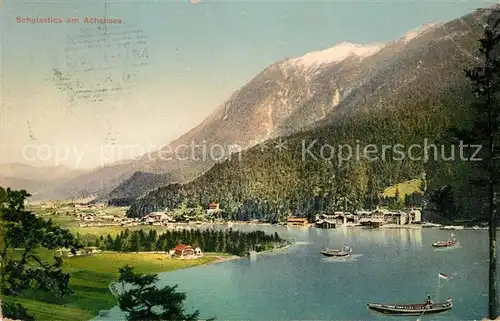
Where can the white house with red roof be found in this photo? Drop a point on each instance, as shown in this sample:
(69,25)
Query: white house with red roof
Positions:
(185,251)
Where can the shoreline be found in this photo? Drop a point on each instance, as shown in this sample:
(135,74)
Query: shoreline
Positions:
(230,224)
(220,259)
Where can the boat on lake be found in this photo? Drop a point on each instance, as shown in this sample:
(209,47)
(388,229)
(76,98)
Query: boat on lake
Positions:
(430,225)
(412,309)
(345,252)
(451,242)
(452,227)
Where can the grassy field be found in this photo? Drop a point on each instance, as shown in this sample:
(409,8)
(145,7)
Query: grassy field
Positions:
(64,215)
(90,277)
(405,188)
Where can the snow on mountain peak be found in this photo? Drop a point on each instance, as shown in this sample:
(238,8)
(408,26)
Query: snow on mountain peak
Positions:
(334,54)
(412,34)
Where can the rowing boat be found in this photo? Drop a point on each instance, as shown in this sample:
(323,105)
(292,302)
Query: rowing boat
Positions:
(337,253)
(411,309)
(451,242)
(444,243)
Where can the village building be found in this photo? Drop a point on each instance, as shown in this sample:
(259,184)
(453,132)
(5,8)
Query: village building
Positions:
(415,216)
(197,252)
(397,218)
(92,250)
(63,252)
(85,251)
(88,218)
(297,221)
(375,218)
(78,253)
(379,217)
(157,217)
(185,251)
(110,218)
(213,208)
(325,221)
(343,218)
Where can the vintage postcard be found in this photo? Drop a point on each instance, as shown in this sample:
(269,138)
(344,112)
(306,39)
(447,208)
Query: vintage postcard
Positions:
(338,160)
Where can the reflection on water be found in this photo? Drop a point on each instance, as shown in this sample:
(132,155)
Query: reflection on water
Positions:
(405,238)
(447,249)
(351,258)
(384,237)
(417,237)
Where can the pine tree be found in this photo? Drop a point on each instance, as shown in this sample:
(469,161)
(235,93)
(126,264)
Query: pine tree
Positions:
(485,132)
(118,243)
(396,195)
(28,270)
(135,242)
(146,302)
(110,244)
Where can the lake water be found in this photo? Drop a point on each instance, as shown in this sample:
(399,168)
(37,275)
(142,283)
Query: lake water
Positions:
(387,265)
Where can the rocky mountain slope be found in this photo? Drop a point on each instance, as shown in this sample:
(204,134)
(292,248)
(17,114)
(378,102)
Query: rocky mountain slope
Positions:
(258,111)
(302,93)
(410,90)
(261,110)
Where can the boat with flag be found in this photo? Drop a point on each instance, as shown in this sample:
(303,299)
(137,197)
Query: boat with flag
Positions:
(451,242)
(344,252)
(428,307)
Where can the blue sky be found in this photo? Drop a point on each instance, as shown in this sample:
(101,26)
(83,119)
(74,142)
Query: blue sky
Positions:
(198,53)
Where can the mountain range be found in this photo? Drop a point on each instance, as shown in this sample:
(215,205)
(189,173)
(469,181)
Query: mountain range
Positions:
(408,92)
(35,179)
(298,95)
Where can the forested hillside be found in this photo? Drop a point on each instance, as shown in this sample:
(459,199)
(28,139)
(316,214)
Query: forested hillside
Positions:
(418,92)
(266,183)
(304,93)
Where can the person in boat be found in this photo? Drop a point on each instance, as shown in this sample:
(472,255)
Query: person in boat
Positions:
(429,300)
(346,248)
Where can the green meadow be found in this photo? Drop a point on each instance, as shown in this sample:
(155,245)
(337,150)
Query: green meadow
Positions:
(90,278)
(404,188)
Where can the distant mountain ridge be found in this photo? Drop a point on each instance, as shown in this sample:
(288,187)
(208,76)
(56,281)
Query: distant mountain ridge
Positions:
(256,112)
(410,90)
(34,179)
(299,93)
(303,93)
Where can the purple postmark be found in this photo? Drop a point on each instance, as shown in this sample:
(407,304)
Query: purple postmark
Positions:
(101,62)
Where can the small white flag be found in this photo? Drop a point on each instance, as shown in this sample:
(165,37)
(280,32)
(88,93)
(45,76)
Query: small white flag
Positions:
(444,276)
